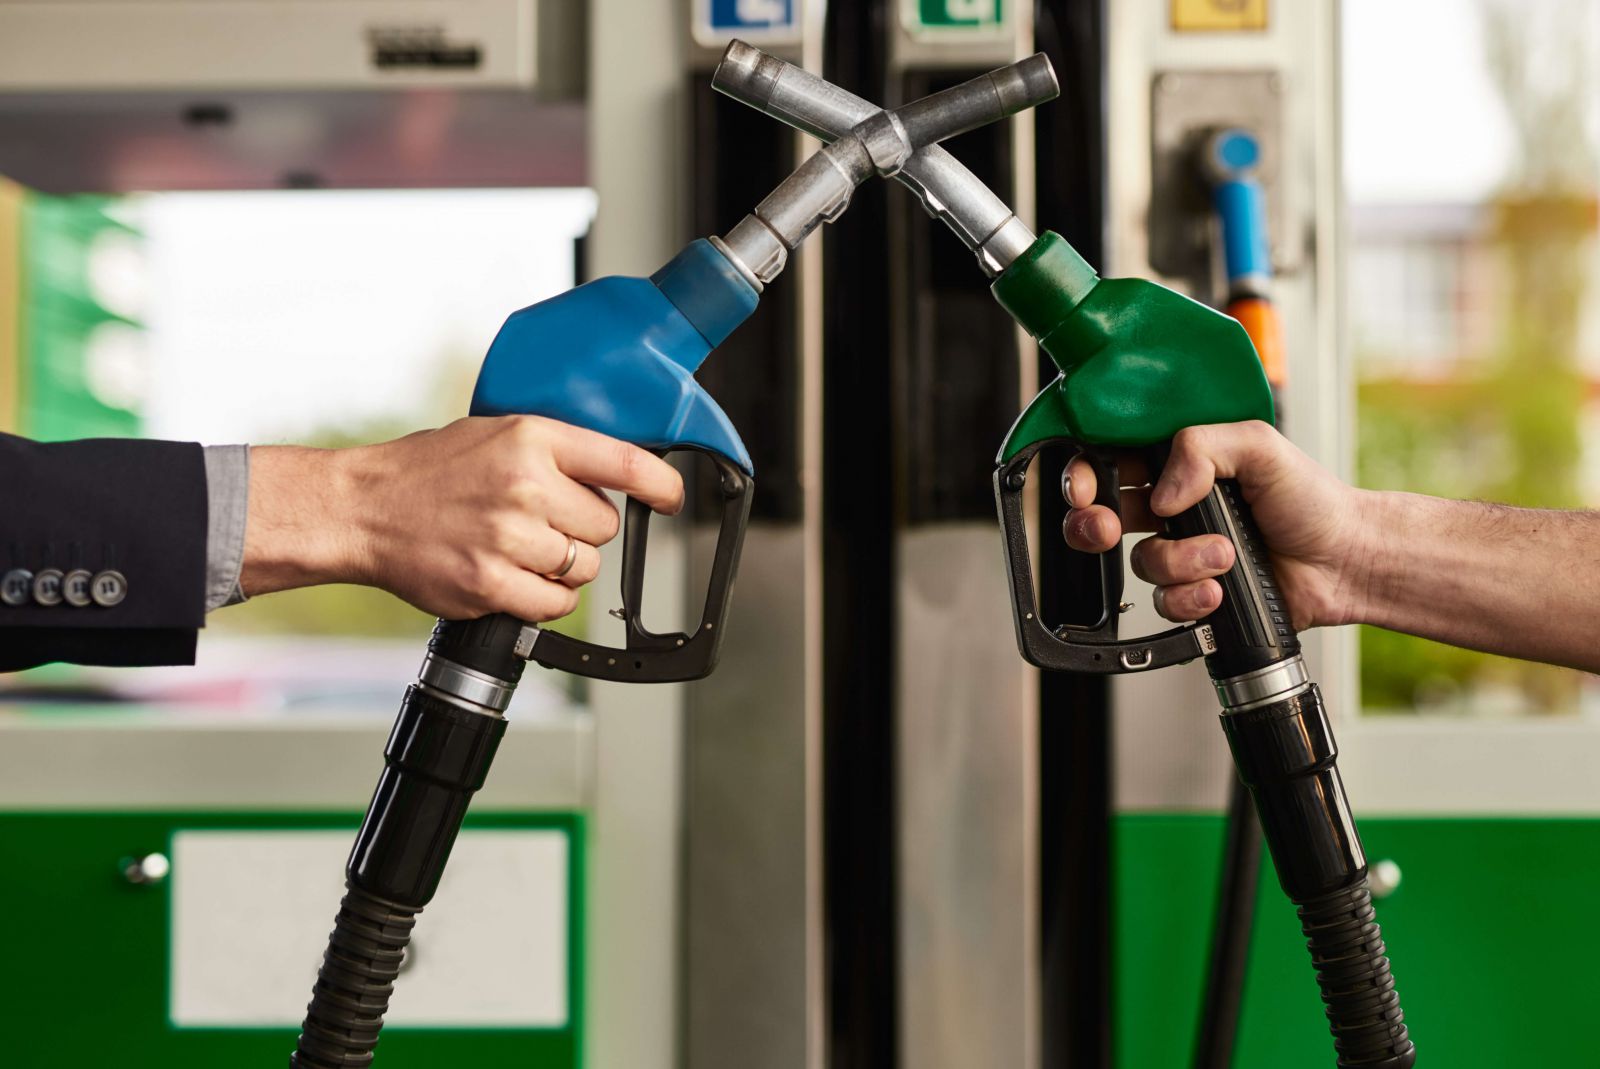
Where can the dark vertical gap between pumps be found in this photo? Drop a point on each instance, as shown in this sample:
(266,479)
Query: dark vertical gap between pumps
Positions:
(1075,732)
(859,879)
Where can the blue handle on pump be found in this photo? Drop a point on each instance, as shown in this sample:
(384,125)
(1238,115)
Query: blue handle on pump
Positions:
(617,356)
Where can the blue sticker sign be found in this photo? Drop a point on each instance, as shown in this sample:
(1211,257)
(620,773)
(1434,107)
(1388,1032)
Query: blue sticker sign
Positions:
(757,20)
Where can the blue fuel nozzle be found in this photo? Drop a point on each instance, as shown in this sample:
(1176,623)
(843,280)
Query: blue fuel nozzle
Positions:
(618,355)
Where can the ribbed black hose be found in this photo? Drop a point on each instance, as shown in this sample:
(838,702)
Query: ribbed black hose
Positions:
(1284,751)
(1352,966)
(366,950)
(437,757)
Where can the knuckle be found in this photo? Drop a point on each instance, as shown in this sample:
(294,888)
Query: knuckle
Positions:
(588,572)
(556,601)
(1189,440)
(1155,566)
(528,434)
(527,428)
(1137,559)
(629,460)
(524,490)
(610,522)
(476,580)
(1257,436)
(535,494)
(500,531)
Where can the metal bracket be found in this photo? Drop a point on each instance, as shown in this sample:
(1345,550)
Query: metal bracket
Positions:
(1185,107)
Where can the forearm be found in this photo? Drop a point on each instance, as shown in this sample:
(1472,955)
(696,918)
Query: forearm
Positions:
(1489,577)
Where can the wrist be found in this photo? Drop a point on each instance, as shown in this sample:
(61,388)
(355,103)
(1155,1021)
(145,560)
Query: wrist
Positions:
(303,527)
(1369,574)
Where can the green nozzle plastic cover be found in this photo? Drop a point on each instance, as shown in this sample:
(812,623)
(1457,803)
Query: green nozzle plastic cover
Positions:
(1138,362)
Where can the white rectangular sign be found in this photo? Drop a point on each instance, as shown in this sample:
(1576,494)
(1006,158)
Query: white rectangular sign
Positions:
(251,912)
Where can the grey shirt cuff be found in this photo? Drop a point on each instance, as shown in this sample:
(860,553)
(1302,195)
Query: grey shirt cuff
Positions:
(228,502)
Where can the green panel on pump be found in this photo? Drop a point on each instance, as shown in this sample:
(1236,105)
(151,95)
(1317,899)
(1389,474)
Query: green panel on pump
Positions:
(945,15)
(207,963)
(1520,998)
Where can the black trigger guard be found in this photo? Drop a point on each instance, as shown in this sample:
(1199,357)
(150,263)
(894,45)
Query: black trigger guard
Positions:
(1092,648)
(675,657)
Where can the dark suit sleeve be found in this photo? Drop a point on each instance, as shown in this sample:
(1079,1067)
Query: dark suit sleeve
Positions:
(118,507)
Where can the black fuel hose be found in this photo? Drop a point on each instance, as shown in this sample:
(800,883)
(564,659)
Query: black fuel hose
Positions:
(437,757)
(1284,751)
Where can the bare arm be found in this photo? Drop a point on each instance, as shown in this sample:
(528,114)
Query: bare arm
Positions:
(1490,577)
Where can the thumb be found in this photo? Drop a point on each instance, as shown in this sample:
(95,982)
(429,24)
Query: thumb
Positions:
(1202,455)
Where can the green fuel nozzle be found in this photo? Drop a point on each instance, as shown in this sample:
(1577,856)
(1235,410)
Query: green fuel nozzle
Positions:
(1138,361)
(1138,364)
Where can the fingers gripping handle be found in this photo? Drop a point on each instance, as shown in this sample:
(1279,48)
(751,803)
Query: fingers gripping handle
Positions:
(1252,627)
(1092,647)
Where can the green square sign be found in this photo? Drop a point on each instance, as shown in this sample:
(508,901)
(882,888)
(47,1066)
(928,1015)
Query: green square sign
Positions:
(955,14)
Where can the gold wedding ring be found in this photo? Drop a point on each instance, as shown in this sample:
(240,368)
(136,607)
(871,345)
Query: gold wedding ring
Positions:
(566,565)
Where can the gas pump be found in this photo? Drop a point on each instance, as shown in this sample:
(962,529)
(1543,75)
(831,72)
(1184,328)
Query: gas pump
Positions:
(1138,363)
(616,355)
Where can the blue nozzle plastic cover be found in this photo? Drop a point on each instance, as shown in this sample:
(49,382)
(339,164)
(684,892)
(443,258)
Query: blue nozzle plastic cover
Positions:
(617,355)
(710,292)
(1242,209)
(1231,159)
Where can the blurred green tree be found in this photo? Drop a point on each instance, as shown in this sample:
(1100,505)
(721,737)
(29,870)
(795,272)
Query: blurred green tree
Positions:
(1507,425)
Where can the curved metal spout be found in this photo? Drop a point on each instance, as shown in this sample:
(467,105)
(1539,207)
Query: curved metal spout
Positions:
(948,191)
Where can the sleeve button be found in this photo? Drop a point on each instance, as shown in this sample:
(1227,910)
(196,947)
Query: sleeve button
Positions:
(108,588)
(17,587)
(75,587)
(47,587)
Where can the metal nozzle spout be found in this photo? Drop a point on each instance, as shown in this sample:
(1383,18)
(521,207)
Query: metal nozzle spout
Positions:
(946,188)
(748,74)
(985,99)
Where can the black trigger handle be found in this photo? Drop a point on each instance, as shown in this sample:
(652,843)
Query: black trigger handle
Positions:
(1094,648)
(1107,492)
(674,657)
